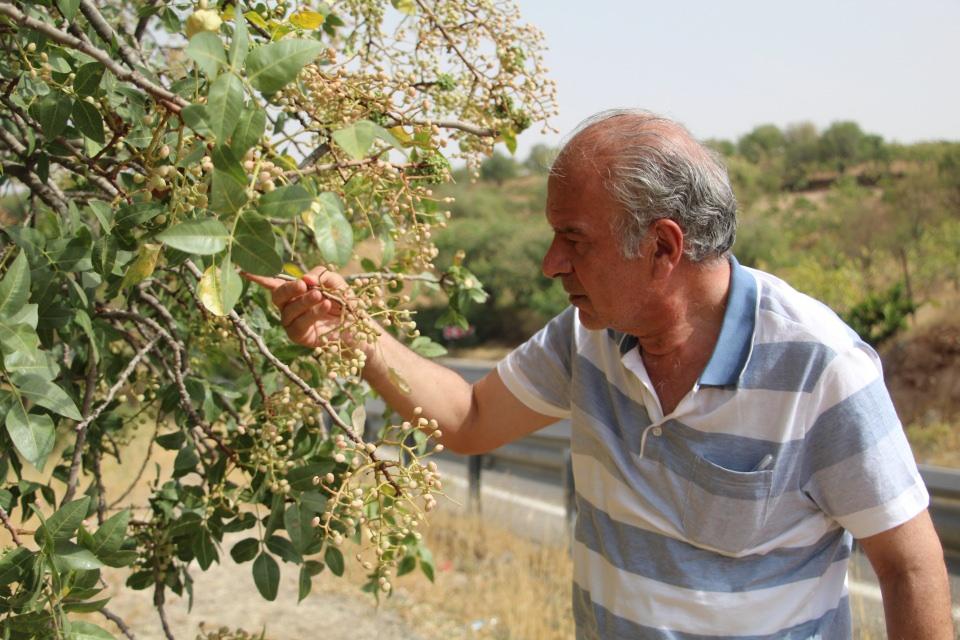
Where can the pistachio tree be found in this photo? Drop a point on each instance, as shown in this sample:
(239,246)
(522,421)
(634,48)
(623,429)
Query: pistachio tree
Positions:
(150,152)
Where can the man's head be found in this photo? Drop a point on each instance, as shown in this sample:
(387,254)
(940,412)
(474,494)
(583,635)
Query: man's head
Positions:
(653,168)
(630,197)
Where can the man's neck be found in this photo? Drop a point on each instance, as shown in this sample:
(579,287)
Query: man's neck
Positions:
(676,352)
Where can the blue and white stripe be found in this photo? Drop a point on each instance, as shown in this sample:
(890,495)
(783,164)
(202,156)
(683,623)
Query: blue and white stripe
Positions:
(734,515)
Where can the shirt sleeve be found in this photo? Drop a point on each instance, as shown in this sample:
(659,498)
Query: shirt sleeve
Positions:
(538,372)
(857,464)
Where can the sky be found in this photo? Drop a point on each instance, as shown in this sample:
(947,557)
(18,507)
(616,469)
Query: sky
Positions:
(722,68)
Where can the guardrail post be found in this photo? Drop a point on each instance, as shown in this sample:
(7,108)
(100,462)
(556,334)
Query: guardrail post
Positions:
(474,465)
(569,490)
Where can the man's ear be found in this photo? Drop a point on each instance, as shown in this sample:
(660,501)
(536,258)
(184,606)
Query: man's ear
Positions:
(667,237)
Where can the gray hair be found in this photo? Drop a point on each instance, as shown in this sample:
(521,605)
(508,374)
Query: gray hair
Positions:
(655,169)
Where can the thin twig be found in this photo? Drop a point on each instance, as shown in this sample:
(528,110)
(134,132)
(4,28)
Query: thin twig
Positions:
(170,100)
(77,462)
(143,468)
(117,620)
(9,527)
(158,600)
(122,380)
(105,31)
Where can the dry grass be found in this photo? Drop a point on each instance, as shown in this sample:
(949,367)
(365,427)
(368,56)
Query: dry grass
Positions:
(490,583)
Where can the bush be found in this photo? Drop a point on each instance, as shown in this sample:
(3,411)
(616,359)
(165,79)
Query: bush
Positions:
(157,148)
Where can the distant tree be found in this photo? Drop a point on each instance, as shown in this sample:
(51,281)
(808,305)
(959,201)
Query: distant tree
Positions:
(764,142)
(540,159)
(801,147)
(721,146)
(844,143)
(497,168)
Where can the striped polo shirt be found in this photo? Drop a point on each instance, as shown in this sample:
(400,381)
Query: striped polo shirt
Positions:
(734,515)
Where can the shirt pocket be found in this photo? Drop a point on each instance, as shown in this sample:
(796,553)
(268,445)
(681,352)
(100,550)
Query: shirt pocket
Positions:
(724,509)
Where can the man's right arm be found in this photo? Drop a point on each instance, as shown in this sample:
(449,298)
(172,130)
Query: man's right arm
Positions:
(472,418)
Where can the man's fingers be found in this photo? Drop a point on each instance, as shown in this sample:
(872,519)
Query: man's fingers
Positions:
(264,281)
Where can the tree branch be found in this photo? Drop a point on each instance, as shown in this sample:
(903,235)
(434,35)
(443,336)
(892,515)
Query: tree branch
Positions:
(170,100)
(5,518)
(105,31)
(117,620)
(76,463)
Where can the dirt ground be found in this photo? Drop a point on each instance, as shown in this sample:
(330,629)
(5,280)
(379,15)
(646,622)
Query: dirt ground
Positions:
(226,597)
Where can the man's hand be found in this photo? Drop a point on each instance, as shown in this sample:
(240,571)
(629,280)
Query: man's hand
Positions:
(312,309)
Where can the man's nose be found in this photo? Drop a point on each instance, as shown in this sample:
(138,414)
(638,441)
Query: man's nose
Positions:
(555,262)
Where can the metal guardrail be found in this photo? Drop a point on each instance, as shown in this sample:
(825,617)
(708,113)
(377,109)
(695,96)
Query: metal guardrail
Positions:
(551,453)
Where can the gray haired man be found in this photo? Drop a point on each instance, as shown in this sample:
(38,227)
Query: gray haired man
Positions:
(731,436)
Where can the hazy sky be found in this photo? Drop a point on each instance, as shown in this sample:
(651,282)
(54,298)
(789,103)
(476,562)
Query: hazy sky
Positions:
(722,68)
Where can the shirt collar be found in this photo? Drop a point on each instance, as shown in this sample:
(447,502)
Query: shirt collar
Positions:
(735,342)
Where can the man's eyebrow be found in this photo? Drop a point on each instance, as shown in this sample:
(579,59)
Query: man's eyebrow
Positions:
(568,229)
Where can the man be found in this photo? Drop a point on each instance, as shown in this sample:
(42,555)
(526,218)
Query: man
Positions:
(730,436)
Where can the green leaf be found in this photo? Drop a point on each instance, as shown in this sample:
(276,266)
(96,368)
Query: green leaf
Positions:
(68,8)
(225,160)
(272,66)
(104,214)
(88,120)
(204,549)
(408,564)
(185,462)
(357,138)
(224,104)
(266,575)
(195,117)
(72,557)
(219,290)
(284,548)
(206,50)
(253,246)
(80,630)
(240,44)
(52,111)
(305,584)
(12,564)
(297,523)
(301,478)
(427,347)
(250,128)
(63,524)
(334,560)
(85,607)
(22,355)
(426,563)
(285,202)
(88,79)
(245,550)
(47,394)
(331,230)
(226,194)
(198,237)
(111,534)
(142,268)
(15,286)
(33,435)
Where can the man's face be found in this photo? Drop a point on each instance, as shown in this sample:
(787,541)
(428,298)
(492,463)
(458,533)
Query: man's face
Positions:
(608,289)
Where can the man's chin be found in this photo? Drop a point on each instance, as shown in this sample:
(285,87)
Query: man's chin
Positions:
(590,321)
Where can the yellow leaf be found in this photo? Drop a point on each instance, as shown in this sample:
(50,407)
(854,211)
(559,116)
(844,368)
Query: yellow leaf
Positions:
(256,19)
(307,19)
(292,270)
(219,291)
(401,134)
(142,268)
(228,13)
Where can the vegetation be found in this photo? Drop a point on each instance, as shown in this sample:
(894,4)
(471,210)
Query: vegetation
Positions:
(868,227)
(149,152)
